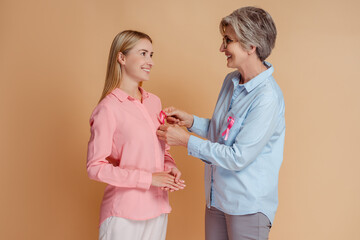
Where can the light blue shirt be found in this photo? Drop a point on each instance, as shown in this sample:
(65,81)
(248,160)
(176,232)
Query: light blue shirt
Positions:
(241,173)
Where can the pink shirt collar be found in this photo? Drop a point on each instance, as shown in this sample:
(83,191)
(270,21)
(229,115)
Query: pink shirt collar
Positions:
(122,96)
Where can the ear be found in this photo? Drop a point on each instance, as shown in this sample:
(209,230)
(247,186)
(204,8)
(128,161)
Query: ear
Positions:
(121,58)
(251,50)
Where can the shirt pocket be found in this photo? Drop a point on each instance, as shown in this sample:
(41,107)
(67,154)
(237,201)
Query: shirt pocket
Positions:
(233,132)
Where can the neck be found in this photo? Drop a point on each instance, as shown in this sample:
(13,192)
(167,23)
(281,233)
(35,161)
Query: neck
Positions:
(251,69)
(130,87)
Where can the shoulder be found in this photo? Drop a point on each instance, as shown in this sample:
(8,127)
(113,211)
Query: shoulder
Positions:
(154,97)
(268,94)
(271,89)
(105,106)
(154,100)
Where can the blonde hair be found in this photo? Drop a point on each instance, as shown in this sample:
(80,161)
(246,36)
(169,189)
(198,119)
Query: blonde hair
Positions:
(253,27)
(123,42)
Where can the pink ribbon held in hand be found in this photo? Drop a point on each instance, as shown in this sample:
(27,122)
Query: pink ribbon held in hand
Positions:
(231,121)
(162,117)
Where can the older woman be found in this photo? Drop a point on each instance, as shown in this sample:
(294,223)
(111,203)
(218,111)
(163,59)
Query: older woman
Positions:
(245,135)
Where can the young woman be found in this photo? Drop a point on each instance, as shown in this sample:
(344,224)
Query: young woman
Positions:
(124,151)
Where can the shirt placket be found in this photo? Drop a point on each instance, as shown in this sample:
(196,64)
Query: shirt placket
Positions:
(237,91)
(152,126)
(158,165)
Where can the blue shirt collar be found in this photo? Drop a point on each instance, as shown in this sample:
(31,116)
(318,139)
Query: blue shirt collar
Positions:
(256,81)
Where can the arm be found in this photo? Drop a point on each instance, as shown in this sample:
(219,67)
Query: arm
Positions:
(170,165)
(103,126)
(199,126)
(258,127)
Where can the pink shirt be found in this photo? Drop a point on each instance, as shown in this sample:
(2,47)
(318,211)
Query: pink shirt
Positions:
(124,151)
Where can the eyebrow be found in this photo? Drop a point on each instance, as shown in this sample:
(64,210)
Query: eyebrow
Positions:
(144,50)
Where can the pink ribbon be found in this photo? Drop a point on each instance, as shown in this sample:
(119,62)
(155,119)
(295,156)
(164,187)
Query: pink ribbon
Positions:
(231,121)
(162,117)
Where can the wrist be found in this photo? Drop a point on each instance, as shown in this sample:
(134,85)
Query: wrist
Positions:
(186,140)
(191,121)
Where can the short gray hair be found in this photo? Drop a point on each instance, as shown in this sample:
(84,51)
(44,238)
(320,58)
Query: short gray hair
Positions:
(253,27)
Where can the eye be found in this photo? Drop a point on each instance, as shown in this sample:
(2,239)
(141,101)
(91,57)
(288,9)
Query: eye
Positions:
(228,40)
(151,55)
(143,53)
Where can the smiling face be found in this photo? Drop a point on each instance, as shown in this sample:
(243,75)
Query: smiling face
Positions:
(235,54)
(137,63)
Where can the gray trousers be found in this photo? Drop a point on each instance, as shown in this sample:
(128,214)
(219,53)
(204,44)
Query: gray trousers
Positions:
(222,226)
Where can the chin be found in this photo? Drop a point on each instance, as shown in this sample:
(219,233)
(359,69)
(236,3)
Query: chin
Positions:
(229,65)
(143,78)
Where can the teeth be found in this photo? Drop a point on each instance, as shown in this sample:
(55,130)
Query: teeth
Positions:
(146,70)
(227,56)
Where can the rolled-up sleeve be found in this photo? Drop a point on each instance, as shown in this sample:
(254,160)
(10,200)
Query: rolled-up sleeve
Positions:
(258,127)
(100,146)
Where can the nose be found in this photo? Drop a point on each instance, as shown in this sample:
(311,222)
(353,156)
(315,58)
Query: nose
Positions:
(222,47)
(151,62)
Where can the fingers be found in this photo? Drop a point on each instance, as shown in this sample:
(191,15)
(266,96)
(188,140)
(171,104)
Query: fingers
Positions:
(161,132)
(181,184)
(173,112)
(163,127)
(173,120)
(170,189)
(177,174)
(166,181)
(161,135)
(177,177)
(181,123)
(177,186)
(169,110)
(173,185)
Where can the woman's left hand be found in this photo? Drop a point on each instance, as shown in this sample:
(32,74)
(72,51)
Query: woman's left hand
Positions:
(173,135)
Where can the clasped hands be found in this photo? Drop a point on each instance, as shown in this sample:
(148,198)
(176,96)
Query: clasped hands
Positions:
(168,180)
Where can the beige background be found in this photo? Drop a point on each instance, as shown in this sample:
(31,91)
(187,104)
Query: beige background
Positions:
(52,65)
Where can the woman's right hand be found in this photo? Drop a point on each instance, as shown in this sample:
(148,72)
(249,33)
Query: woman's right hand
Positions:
(176,116)
(165,180)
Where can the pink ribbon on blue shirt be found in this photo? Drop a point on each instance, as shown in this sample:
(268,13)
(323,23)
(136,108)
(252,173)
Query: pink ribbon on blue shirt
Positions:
(231,121)
(162,117)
